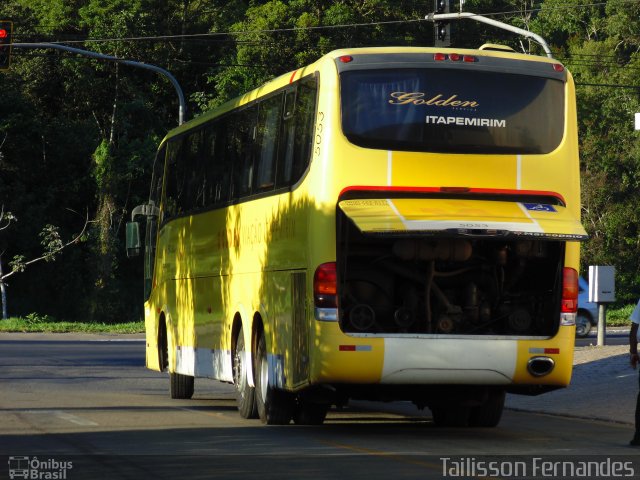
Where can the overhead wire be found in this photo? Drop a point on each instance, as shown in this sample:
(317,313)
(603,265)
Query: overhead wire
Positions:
(231,37)
(211,35)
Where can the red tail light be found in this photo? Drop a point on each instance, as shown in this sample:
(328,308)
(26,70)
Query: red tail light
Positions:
(325,286)
(569,290)
(454,57)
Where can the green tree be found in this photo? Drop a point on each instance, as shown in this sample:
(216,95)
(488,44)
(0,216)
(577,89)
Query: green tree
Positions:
(600,45)
(278,36)
(52,245)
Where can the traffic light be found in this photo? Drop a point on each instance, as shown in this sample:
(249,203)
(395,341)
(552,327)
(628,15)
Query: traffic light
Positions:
(6,29)
(442,28)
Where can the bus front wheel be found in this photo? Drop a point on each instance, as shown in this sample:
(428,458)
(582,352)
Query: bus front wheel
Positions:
(181,385)
(275,407)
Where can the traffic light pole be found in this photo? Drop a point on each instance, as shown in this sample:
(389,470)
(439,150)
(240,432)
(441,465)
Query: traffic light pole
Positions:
(434,17)
(100,56)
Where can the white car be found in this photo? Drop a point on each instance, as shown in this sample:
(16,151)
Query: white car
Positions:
(587,311)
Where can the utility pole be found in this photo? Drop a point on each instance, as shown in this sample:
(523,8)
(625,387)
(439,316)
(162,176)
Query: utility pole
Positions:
(100,56)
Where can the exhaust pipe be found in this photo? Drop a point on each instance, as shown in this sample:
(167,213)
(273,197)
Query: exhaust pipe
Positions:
(540,366)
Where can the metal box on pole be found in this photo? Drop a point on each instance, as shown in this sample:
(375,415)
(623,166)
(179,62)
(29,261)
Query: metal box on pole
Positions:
(602,290)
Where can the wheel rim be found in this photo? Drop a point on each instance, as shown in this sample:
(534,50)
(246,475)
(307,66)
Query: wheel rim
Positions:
(239,367)
(582,325)
(264,378)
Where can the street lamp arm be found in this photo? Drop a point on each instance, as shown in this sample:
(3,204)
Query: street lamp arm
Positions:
(432,17)
(101,56)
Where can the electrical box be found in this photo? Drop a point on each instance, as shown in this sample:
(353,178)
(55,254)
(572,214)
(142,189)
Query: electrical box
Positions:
(602,284)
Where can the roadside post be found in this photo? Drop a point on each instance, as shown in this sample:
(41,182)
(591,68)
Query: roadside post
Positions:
(602,291)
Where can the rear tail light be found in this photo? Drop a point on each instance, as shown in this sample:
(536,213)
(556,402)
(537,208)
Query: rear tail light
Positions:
(325,292)
(569,290)
(569,305)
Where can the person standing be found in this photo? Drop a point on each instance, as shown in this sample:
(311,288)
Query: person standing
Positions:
(633,352)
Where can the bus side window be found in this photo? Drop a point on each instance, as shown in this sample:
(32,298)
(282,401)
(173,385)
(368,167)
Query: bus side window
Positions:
(194,167)
(151,227)
(218,164)
(175,188)
(240,149)
(157,177)
(297,133)
(270,113)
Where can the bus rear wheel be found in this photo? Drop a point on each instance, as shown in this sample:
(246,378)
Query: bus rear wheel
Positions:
(308,413)
(450,416)
(245,394)
(275,407)
(489,413)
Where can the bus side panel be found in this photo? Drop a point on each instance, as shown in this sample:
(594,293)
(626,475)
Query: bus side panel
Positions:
(156,309)
(267,250)
(151,336)
(282,310)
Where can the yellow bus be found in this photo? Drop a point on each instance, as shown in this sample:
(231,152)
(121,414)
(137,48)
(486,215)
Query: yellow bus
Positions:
(384,224)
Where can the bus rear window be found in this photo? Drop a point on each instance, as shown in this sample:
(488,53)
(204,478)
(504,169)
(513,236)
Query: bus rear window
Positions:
(452,111)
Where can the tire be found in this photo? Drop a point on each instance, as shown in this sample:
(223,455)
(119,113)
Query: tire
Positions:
(307,413)
(163,349)
(245,395)
(274,406)
(583,325)
(451,416)
(490,412)
(181,385)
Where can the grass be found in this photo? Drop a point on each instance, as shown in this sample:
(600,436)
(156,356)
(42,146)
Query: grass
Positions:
(619,317)
(37,323)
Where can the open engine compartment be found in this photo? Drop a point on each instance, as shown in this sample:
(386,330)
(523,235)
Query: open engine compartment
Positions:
(447,284)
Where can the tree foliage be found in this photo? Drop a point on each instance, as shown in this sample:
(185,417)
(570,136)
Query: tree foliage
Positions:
(81,134)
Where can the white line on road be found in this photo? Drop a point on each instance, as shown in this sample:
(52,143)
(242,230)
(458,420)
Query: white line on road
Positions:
(65,416)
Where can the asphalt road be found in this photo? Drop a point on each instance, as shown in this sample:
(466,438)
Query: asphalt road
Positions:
(92,405)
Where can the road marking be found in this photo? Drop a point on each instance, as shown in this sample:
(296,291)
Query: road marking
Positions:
(74,419)
(138,340)
(218,415)
(65,416)
(396,456)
